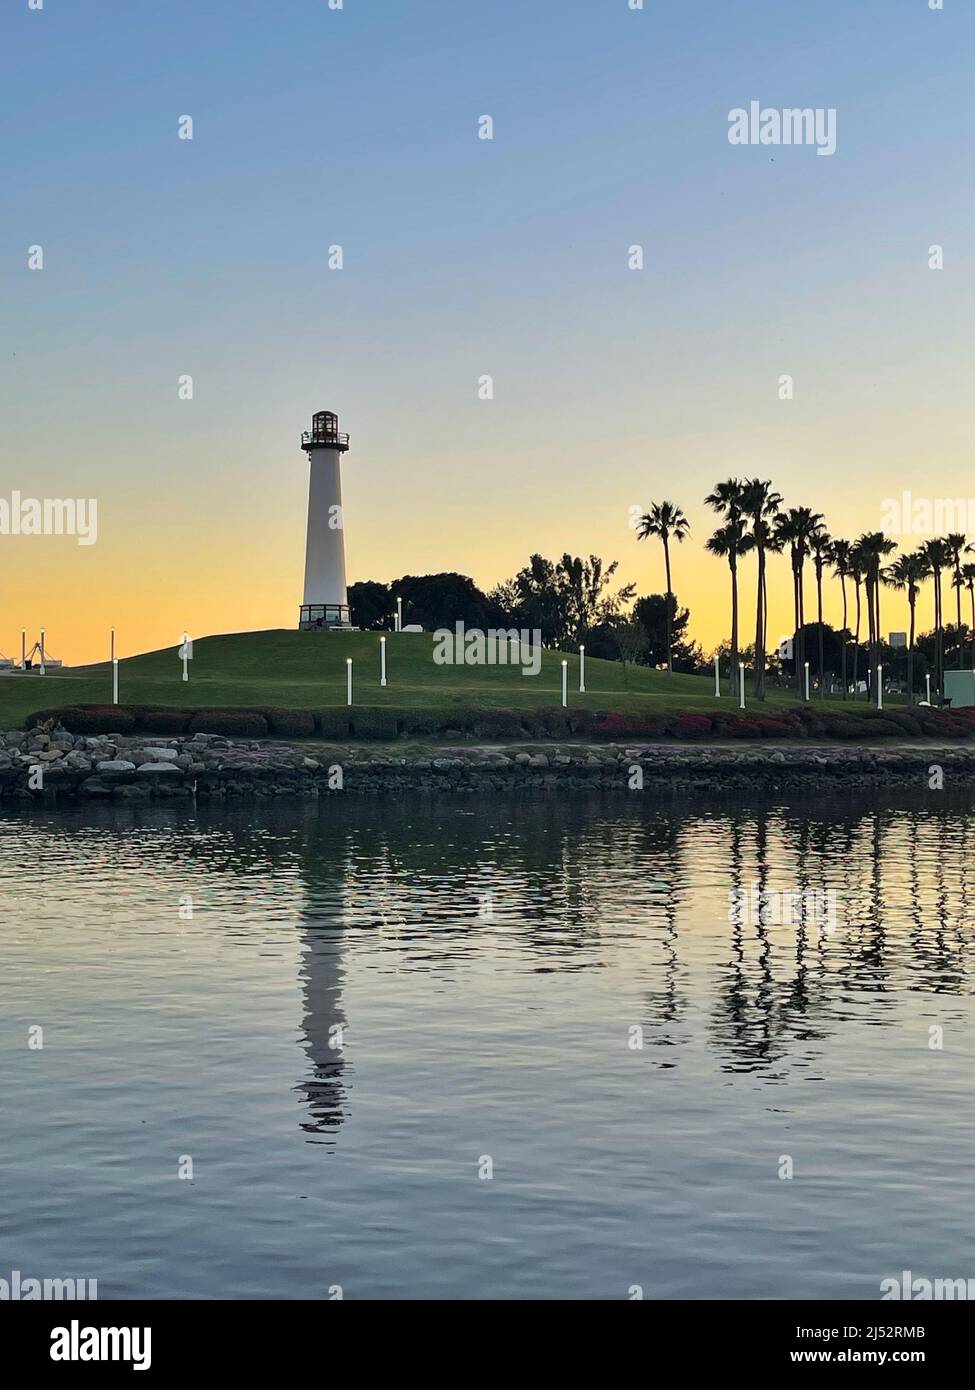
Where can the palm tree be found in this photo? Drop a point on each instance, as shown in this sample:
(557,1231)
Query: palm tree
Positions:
(858,569)
(795,528)
(667,521)
(938,558)
(821,549)
(729,541)
(840,557)
(761,505)
(875,547)
(908,572)
(955,544)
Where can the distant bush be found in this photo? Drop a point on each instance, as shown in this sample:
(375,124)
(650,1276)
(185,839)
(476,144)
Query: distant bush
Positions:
(547,723)
(692,726)
(290,723)
(164,721)
(498,724)
(89,719)
(235,723)
(374,723)
(332,723)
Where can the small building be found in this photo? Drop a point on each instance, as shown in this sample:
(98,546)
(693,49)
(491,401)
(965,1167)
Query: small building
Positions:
(960,688)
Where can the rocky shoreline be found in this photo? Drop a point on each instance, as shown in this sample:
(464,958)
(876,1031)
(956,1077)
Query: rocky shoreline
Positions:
(57,765)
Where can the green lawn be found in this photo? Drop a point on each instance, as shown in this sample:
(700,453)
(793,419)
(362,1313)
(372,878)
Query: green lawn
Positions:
(308,670)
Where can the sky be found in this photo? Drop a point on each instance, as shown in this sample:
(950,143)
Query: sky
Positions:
(463,258)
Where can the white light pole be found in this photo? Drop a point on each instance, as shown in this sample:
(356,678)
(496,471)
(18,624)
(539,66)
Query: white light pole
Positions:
(23,649)
(348,680)
(717,677)
(42,652)
(382,661)
(880,689)
(565,683)
(112,654)
(184,652)
(927,682)
(399,615)
(114,680)
(807,680)
(582,670)
(741,685)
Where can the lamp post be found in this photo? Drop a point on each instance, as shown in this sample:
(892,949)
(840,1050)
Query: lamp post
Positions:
(348,680)
(399,614)
(741,685)
(382,661)
(114,680)
(582,670)
(565,683)
(42,652)
(111,656)
(880,688)
(807,680)
(717,677)
(927,682)
(184,652)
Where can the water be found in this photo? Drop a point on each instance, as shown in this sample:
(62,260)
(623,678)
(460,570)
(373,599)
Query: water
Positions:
(487,969)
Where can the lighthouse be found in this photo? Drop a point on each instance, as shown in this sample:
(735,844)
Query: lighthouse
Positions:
(326,601)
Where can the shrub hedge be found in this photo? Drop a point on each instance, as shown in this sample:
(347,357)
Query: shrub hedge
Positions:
(834,721)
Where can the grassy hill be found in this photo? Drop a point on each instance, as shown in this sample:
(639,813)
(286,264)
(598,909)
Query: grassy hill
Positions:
(308,671)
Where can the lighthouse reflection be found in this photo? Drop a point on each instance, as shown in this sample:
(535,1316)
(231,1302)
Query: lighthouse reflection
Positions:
(321,920)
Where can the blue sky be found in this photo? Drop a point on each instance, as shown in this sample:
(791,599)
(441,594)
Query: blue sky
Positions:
(464,257)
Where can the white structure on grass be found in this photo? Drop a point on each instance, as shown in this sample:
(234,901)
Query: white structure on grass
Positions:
(326,600)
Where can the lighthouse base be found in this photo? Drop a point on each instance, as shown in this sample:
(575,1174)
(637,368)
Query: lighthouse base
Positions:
(324,617)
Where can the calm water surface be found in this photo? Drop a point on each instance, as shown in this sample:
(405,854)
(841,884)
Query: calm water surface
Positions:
(488,972)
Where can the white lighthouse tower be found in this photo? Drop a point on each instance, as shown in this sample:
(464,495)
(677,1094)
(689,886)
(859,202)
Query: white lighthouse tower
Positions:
(326,601)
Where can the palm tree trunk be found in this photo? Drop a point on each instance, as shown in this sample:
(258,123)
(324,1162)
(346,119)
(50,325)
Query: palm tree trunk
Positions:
(758,675)
(796,633)
(819,616)
(843,638)
(912,599)
(876,663)
(670,654)
(856,642)
(971,592)
(733,563)
(939,654)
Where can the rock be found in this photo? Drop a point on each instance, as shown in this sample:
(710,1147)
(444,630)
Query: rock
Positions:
(78,762)
(115,765)
(538,760)
(132,791)
(94,786)
(160,755)
(151,769)
(311,763)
